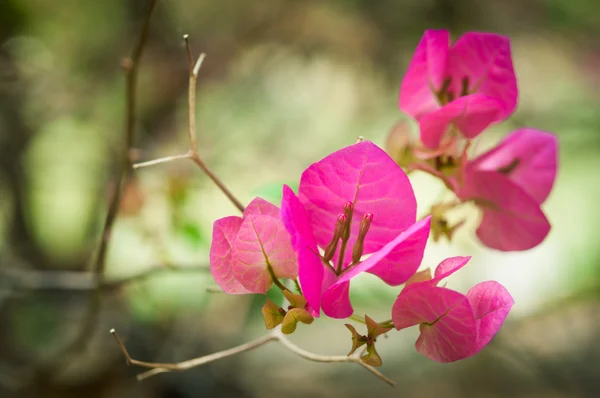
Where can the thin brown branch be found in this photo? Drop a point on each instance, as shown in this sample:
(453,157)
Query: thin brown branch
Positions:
(191,363)
(275,335)
(166,159)
(186,39)
(83,281)
(131,66)
(193,149)
(329,358)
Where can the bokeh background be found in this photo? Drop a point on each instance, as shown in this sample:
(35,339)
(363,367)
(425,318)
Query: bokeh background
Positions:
(285,82)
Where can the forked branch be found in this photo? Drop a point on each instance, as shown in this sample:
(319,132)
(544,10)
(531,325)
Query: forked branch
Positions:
(275,335)
(192,152)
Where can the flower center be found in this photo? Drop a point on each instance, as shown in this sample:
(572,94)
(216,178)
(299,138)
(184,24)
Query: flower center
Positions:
(341,233)
(446,93)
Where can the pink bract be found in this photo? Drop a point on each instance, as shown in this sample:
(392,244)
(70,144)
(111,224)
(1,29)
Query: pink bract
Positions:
(528,157)
(366,176)
(445,319)
(512,220)
(509,183)
(224,232)
(470,84)
(491,303)
(453,326)
(243,247)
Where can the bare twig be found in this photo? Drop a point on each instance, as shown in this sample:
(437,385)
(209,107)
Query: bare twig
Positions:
(329,358)
(166,159)
(192,152)
(275,335)
(130,66)
(83,281)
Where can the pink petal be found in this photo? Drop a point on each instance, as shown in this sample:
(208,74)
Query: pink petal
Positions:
(403,260)
(485,58)
(448,331)
(471,114)
(261,206)
(336,301)
(411,243)
(412,240)
(528,157)
(224,233)
(310,267)
(425,74)
(491,303)
(365,175)
(512,220)
(448,267)
(262,240)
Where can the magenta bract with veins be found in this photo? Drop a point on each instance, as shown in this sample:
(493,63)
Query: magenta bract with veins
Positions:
(490,302)
(243,247)
(362,185)
(509,183)
(470,83)
(528,157)
(453,326)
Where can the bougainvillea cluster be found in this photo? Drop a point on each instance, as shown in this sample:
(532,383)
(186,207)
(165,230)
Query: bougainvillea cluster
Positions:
(355,210)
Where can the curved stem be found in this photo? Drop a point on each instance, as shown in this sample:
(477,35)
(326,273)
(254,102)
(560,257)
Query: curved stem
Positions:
(275,335)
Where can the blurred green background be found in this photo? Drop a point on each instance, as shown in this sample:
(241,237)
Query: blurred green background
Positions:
(284,83)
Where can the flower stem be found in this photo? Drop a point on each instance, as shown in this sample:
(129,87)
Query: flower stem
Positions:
(297,284)
(357,318)
(276,280)
(387,324)
(340,262)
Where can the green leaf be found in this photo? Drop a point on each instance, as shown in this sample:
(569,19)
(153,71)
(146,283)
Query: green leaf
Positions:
(296,300)
(371,358)
(374,329)
(271,314)
(291,319)
(357,339)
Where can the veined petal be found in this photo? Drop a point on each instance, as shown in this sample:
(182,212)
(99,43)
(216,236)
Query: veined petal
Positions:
(448,331)
(262,242)
(512,220)
(529,158)
(224,233)
(491,303)
(261,206)
(448,267)
(365,175)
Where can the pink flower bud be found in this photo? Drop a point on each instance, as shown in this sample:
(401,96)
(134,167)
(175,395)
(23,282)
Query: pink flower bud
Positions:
(340,226)
(359,246)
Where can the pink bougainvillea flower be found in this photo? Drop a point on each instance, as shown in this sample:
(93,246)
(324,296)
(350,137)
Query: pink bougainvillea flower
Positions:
(244,248)
(354,202)
(509,183)
(469,84)
(453,326)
